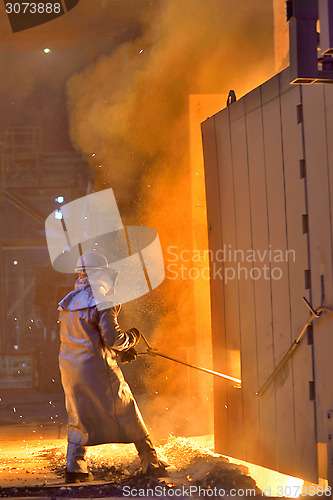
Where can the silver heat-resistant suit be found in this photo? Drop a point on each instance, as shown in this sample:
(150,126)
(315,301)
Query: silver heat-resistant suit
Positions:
(99,402)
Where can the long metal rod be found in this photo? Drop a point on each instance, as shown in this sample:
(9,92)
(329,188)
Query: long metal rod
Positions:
(205,370)
(315,315)
(153,352)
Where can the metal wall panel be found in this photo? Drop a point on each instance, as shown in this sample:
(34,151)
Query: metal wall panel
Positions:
(245,284)
(317,142)
(326,341)
(263,203)
(266,451)
(234,408)
(217,307)
(280,299)
(297,241)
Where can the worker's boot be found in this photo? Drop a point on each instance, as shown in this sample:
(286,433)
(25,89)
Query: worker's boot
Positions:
(77,469)
(151,465)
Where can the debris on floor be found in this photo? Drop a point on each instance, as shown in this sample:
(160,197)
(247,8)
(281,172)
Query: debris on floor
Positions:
(116,468)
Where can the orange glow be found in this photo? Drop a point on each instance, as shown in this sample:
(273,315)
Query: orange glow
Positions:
(281,35)
(140,114)
(273,483)
(200,107)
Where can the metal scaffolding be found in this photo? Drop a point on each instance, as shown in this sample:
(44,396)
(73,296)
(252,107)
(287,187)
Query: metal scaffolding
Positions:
(30,182)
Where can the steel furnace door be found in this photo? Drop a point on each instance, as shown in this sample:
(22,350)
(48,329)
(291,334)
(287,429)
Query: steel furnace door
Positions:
(269,182)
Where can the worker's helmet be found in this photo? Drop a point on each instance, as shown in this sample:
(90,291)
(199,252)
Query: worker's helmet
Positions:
(91,260)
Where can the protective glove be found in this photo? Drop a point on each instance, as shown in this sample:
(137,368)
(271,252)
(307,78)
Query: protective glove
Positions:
(127,356)
(137,335)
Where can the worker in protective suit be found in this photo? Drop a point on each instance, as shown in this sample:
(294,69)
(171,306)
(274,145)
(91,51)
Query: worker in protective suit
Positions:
(99,403)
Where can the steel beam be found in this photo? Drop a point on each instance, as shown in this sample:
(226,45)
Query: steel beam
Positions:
(326,26)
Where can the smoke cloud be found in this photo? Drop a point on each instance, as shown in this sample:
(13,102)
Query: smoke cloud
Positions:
(32,87)
(129,113)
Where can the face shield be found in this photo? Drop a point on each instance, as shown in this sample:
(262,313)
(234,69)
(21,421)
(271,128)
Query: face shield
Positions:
(103,283)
